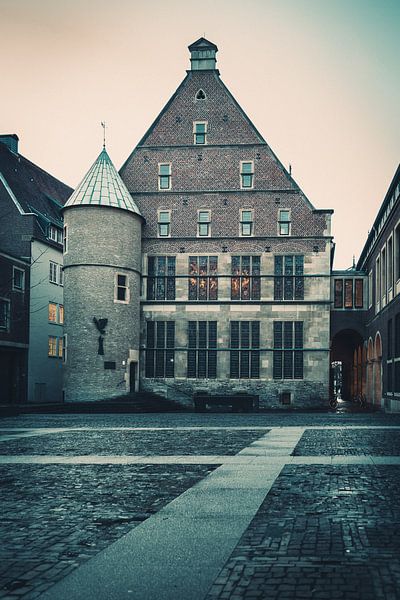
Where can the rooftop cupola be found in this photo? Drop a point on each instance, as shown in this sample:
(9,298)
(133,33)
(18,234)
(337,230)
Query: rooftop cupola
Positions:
(203,55)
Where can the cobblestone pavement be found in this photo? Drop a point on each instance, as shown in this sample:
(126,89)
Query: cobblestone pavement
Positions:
(349,442)
(321,533)
(323,530)
(144,443)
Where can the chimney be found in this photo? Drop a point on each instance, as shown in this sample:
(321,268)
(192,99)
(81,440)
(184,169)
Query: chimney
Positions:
(203,55)
(10,140)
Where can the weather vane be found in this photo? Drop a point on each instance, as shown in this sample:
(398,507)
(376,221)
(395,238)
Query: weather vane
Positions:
(103,124)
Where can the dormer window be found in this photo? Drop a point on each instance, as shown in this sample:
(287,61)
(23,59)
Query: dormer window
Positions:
(200,132)
(200,95)
(284,222)
(55,234)
(246,174)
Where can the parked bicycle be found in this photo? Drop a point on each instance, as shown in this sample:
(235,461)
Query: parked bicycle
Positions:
(333,402)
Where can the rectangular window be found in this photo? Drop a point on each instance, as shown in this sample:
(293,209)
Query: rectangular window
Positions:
(60,347)
(288,350)
(358,293)
(161,278)
(245,280)
(160,349)
(64,347)
(383,272)
(121,292)
(348,293)
(202,353)
(164,176)
(378,280)
(52,346)
(338,293)
(390,264)
(200,132)
(61,314)
(389,339)
(244,350)
(65,239)
(60,275)
(4,314)
(370,290)
(284,222)
(52,312)
(164,223)
(203,281)
(203,223)
(397,253)
(246,222)
(246,174)
(53,272)
(55,234)
(289,277)
(18,279)
(397,336)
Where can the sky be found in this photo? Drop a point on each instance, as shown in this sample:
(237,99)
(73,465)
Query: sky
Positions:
(319,79)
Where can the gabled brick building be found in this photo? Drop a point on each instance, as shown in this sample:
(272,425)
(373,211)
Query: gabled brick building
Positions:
(235,258)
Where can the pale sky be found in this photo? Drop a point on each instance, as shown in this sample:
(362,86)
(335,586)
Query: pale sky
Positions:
(320,80)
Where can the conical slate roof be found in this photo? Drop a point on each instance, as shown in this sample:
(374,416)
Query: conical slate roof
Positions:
(102,186)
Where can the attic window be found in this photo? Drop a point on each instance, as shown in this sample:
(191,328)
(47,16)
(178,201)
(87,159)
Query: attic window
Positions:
(200,95)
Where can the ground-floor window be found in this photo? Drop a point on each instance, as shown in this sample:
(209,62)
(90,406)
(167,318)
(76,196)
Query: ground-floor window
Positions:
(202,353)
(160,349)
(288,350)
(244,349)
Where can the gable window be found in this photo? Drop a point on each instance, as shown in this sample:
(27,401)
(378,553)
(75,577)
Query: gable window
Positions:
(4,314)
(203,223)
(200,95)
(202,353)
(18,279)
(245,280)
(200,132)
(284,222)
(203,283)
(164,223)
(121,288)
(246,222)
(246,174)
(164,176)
(288,277)
(288,350)
(244,352)
(161,278)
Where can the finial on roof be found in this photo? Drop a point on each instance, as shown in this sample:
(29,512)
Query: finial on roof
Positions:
(103,124)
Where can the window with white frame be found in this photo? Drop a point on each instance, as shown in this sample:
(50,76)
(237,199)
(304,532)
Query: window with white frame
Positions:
(200,132)
(60,275)
(121,288)
(4,314)
(246,174)
(164,223)
(164,176)
(53,272)
(18,279)
(284,221)
(55,234)
(203,223)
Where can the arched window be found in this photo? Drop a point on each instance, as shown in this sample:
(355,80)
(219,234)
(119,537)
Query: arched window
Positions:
(200,95)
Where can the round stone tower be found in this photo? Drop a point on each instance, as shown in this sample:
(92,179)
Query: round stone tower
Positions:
(102,263)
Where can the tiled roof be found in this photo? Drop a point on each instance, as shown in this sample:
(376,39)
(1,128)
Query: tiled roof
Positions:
(102,186)
(35,190)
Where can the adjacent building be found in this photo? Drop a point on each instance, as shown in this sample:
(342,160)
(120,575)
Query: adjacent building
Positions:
(31,284)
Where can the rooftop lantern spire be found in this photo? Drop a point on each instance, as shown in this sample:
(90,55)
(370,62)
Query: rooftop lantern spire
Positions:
(203,55)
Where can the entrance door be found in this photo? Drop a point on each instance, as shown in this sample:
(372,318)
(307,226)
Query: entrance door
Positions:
(132,377)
